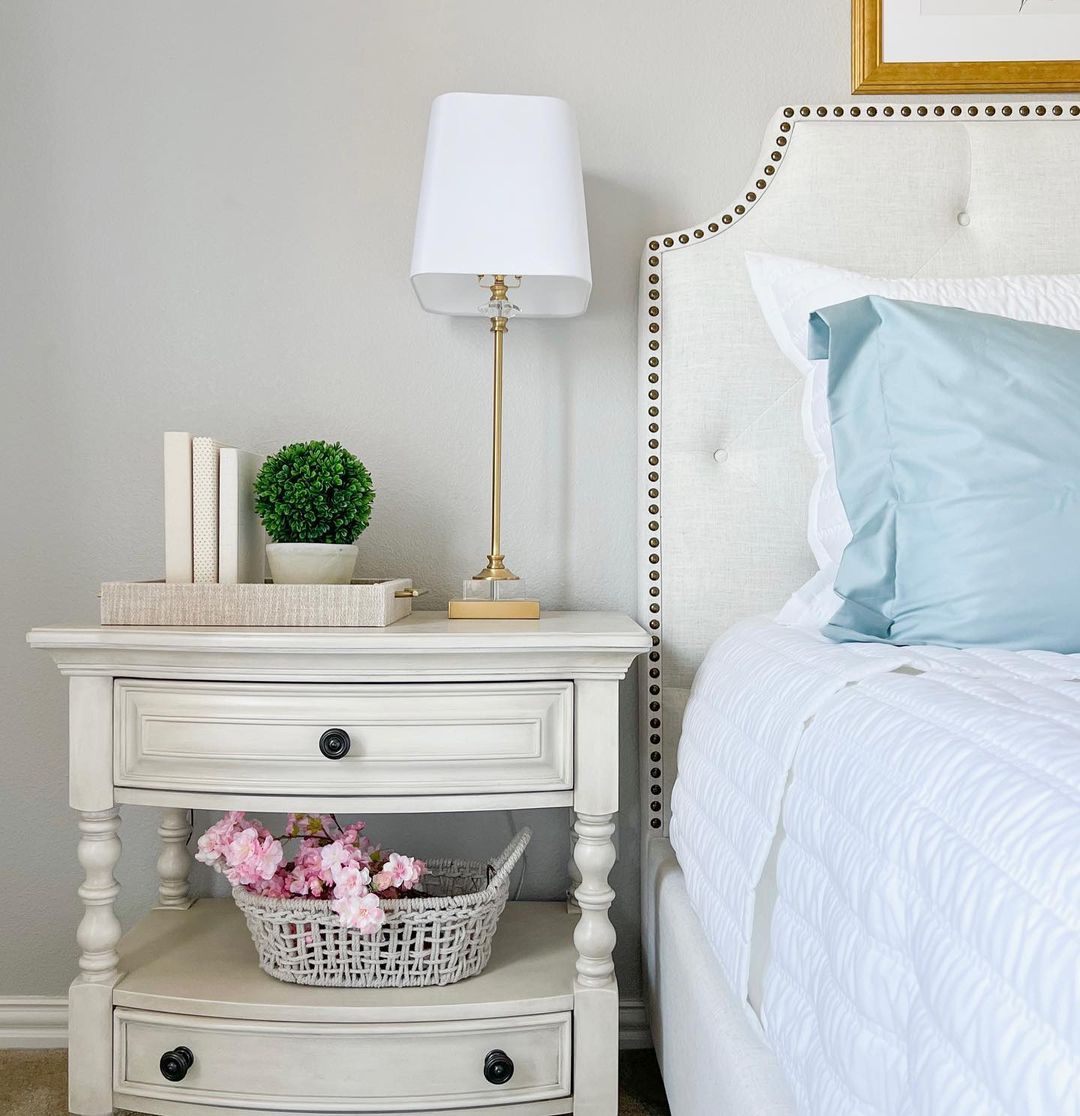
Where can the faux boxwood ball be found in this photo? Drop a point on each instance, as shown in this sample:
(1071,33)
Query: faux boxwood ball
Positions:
(314,492)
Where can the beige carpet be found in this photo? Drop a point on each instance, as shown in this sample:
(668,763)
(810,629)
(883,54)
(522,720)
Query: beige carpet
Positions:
(34,1083)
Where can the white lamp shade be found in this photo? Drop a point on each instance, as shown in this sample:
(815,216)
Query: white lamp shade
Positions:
(502,194)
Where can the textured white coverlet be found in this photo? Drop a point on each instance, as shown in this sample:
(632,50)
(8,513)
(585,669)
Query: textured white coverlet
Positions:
(926,938)
(744,726)
(750,699)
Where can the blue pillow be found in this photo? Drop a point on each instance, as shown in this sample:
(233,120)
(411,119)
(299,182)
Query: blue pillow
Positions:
(957,442)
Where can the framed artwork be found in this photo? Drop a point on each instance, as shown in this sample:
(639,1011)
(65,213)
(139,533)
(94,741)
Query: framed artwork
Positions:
(965,46)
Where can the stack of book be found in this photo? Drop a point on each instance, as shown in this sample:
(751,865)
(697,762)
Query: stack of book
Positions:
(212,533)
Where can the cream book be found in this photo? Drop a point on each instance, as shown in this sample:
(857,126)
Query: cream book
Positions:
(241,538)
(178,526)
(204,508)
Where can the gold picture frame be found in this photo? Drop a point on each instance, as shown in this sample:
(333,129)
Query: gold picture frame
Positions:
(870,73)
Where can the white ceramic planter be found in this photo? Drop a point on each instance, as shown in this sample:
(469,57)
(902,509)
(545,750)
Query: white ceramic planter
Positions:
(311,563)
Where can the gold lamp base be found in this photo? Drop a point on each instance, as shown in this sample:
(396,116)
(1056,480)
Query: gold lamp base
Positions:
(522,609)
(494,598)
(496,593)
(495,570)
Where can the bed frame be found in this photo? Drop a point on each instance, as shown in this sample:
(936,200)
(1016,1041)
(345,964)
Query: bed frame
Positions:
(951,189)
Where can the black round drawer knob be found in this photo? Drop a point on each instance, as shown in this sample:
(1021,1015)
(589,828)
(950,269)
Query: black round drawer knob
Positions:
(175,1063)
(498,1067)
(335,743)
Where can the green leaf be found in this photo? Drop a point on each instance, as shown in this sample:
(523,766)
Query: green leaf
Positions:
(314,492)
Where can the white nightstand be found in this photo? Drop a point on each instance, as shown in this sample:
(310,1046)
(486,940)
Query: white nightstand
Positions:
(442,715)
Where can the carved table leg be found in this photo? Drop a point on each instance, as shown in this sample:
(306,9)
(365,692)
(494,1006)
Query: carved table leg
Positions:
(572,871)
(596,999)
(174,861)
(90,996)
(594,936)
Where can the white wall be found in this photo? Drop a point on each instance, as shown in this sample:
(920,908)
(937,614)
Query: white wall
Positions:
(206,213)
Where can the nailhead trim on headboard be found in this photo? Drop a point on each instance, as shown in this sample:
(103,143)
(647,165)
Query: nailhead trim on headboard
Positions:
(782,128)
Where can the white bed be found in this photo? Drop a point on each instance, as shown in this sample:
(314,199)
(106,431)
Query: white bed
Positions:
(947,190)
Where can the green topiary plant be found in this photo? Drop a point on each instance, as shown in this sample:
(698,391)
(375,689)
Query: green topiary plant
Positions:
(314,492)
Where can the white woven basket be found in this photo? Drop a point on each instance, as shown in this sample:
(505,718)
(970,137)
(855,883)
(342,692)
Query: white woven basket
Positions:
(436,940)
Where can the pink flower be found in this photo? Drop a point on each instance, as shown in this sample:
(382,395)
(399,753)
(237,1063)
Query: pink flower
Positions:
(307,876)
(300,883)
(252,858)
(268,857)
(404,871)
(383,881)
(210,848)
(277,887)
(240,846)
(335,855)
(360,912)
(214,842)
(350,880)
(310,854)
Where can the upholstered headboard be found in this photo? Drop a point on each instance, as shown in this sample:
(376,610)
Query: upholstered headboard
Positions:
(891,190)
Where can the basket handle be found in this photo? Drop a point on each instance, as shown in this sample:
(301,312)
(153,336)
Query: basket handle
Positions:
(501,867)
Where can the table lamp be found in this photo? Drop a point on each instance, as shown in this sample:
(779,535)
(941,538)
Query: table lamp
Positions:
(502,209)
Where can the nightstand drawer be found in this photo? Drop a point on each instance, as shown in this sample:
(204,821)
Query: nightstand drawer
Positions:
(274,738)
(341,1067)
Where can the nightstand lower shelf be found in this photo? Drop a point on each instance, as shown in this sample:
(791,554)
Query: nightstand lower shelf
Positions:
(191,980)
(202,962)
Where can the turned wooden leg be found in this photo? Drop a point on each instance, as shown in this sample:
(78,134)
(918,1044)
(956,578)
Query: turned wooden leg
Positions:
(572,871)
(99,930)
(174,861)
(594,935)
(90,997)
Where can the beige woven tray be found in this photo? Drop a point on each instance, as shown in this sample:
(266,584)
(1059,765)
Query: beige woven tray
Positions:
(363,604)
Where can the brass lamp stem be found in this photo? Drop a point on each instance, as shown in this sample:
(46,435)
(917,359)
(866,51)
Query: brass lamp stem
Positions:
(495,570)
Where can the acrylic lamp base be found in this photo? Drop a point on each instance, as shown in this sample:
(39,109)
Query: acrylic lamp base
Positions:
(489,599)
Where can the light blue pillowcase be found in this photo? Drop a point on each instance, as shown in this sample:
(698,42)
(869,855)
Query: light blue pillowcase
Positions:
(957,442)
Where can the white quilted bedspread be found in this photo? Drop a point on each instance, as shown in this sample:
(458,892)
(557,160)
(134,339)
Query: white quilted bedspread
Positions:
(926,938)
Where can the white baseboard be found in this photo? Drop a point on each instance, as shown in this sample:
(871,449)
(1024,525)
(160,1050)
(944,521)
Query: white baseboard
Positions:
(33,1022)
(634,1033)
(40,1022)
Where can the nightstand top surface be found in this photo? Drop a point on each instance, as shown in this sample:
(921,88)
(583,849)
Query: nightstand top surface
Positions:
(420,631)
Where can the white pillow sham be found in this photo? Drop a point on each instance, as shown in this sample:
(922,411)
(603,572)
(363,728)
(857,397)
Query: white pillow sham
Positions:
(788,291)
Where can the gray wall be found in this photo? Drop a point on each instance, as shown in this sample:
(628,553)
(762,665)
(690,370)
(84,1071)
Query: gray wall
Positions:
(206,215)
